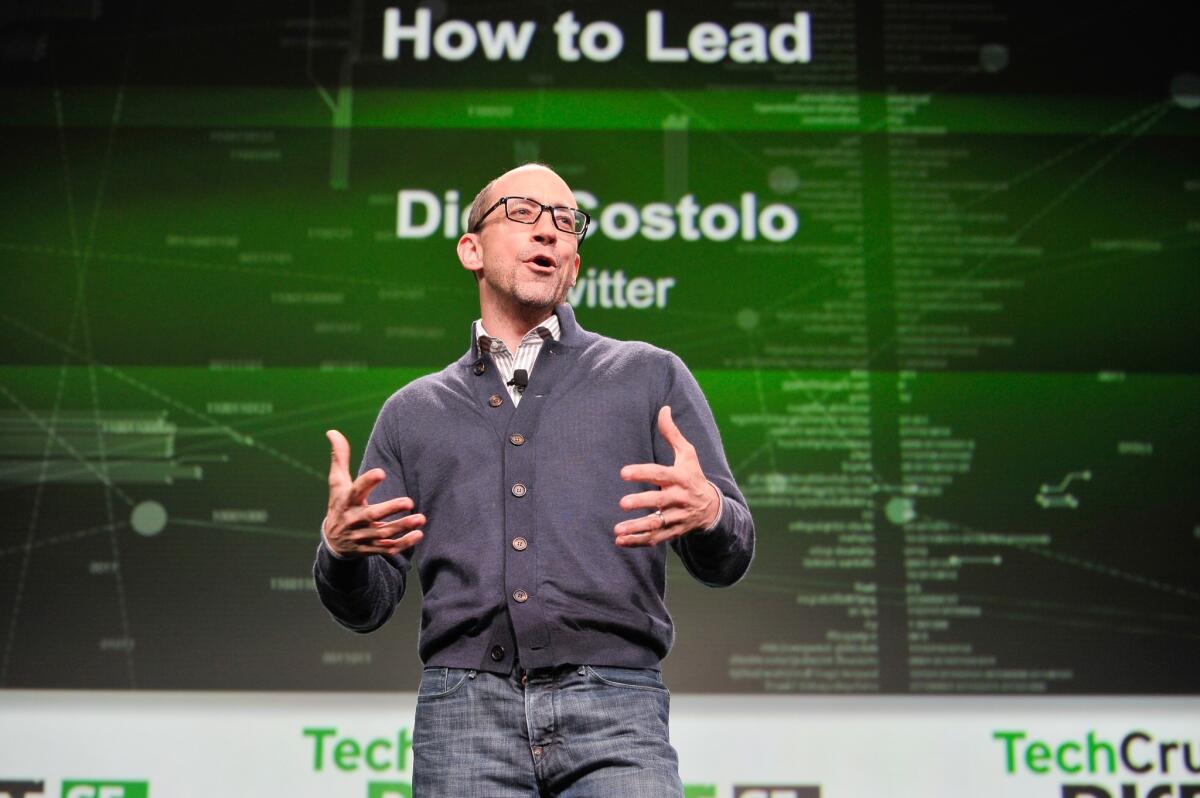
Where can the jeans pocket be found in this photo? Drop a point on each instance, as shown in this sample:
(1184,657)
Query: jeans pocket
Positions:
(631,678)
(442,682)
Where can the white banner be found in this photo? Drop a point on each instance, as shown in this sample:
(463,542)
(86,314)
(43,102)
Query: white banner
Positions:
(74,744)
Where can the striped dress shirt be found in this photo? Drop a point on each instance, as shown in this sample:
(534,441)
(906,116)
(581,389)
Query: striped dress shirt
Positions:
(527,350)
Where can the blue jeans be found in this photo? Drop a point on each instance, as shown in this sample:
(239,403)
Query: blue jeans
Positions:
(571,732)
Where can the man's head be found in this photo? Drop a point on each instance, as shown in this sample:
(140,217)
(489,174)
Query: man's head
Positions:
(524,269)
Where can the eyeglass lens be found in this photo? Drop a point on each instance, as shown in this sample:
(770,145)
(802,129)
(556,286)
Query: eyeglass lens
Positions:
(527,211)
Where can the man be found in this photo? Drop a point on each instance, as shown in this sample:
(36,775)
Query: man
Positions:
(533,483)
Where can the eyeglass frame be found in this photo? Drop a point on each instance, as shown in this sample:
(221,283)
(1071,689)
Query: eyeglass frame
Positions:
(587,219)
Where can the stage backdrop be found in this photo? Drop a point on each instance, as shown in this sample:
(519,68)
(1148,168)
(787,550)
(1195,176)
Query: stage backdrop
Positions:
(934,265)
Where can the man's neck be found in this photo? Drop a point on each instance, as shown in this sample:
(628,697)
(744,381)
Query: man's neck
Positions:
(511,327)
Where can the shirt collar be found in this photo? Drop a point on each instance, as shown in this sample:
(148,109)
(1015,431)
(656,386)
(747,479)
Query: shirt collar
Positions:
(548,330)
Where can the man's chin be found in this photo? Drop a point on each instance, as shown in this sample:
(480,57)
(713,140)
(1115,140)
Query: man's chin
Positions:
(537,300)
(537,304)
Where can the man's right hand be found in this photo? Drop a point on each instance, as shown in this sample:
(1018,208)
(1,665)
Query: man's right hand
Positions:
(354,528)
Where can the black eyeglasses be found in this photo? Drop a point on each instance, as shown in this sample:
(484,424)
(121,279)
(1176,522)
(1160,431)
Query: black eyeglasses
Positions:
(527,211)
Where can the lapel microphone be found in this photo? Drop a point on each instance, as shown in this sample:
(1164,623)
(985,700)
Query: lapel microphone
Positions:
(520,380)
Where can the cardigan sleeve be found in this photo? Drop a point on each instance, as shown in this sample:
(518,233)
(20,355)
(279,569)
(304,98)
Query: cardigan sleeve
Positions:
(721,556)
(362,592)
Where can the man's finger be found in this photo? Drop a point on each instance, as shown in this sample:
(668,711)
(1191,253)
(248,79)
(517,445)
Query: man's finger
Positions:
(388,546)
(390,529)
(402,543)
(364,484)
(653,473)
(339,458)
(378,512)
(650,537)
(671,433)
(646,500)
(377,532)
(636,530)
(360,515)
(637,526)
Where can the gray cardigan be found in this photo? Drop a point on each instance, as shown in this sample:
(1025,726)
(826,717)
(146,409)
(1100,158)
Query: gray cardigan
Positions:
(518,559)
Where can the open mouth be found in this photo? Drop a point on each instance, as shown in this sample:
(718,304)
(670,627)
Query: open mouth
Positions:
(543,261)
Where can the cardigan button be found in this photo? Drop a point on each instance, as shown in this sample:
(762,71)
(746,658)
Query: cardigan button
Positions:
(520,596)
(520,544)
(479,367)
(497,653)
(494,400)
(519,489)
(516,439)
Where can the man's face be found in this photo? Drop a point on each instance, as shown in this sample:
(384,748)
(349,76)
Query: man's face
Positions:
(529,265)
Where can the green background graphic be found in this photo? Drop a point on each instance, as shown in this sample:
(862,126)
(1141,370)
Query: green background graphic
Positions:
(961,397)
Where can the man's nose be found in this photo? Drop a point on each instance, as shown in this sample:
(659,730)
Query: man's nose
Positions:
(544,230)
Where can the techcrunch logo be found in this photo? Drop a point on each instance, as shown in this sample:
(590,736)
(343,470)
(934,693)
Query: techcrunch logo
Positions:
(348,755)
(345,754)
(332,751)
(1137,755)
(422,214)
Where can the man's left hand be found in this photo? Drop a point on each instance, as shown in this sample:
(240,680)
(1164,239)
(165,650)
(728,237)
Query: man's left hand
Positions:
(684,502)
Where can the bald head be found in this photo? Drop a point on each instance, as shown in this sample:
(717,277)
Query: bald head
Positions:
(488,195)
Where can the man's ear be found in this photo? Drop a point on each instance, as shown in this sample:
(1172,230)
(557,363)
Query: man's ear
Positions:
(470,252)
(575,274)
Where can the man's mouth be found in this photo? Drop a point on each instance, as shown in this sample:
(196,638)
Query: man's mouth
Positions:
(542,261)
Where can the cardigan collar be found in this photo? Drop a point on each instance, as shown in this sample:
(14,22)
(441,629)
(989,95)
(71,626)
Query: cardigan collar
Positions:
(570,333)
